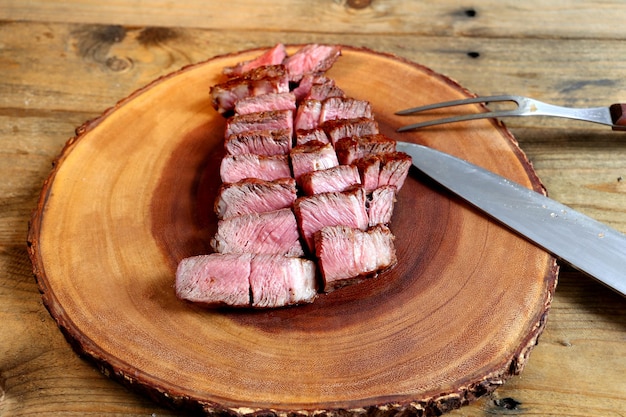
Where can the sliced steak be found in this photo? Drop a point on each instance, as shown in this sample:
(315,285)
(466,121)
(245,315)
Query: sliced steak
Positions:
(270,233)
(273,56)
(260,142)
(311,59)
(259,82)
(254,196)
(267,120)
(278,281)
(381,203)
(357,147)
(215,279)
(304,86)
(246,280)
(335,179)
(330,209)
(383,169)
(325,90)
(310,135)
(348,255)
(394,169)
(312,156)
(346,128)
(267,71)
(335,108)
(369,170)
(317,87)
(308,115)
(265,102)
(235,168)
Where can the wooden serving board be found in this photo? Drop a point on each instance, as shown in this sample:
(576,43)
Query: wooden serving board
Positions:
(132,194)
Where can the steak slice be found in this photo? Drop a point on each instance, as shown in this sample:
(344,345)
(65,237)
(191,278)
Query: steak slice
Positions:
(394,169)
(338,178)
(312,156)
(265,102)
(246,280)
(347,255)
(273,56)
(270,233)
(369,169)
(308,115)
(347,128)
(322,91)
(259,142)
(235,168)
(357,147)
(278,281)
(330,209)
(334,108)
(254,196)
(381,203)
(310,135)
(384,169)
(266,120)
(317,87)
(263,80)
(215,279)
(311,59)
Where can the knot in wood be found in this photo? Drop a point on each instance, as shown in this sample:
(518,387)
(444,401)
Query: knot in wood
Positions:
(117,64)
(359,4)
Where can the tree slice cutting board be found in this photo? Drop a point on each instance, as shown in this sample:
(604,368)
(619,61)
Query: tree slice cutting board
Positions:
(133,193)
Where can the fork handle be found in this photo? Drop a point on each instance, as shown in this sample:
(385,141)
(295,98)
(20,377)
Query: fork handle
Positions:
(618,115)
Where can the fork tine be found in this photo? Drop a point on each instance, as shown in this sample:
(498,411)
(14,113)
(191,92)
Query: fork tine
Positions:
(462,118)
(471,100)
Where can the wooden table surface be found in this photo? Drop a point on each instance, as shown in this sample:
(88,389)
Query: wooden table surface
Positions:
(62,63)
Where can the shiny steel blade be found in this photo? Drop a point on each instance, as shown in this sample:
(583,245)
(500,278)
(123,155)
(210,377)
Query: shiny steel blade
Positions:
(586,244)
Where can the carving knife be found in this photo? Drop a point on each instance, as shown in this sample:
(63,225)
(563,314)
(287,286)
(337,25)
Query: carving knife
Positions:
(588,245)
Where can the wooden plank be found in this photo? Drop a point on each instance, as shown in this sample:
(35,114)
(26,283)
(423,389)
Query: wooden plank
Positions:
(560,19)
(99,65)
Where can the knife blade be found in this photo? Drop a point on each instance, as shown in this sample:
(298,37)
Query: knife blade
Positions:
(586,244)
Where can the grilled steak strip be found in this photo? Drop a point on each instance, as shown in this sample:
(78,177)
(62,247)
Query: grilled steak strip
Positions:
(266,102)
(215,279)
(246,280)
(312,156)
(330,209)
(311,59)
(335,179)
(347,128)
(394,169)
(336,108)
(263,80)
(273,56)
(271,233)
(348,255)
(259,142)
(277,281)
(308,115)
(383,169)
(318,87)
(357,147)
(305,136)
(267,120)
(380,205)
(235,168)
(254,196)
(325,90)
